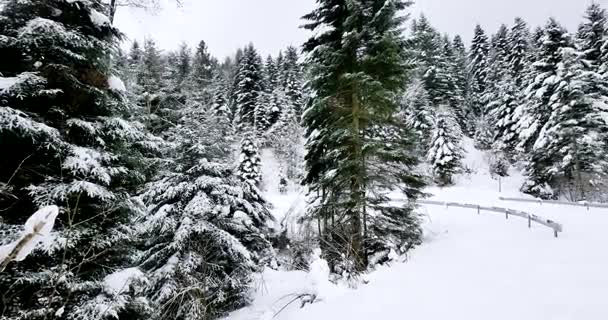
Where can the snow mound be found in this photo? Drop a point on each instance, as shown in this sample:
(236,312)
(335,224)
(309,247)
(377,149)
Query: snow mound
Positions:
(115,83)
(99,19)
(7,82)
(120,282)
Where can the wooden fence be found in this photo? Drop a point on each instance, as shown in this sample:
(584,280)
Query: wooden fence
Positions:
(556,227)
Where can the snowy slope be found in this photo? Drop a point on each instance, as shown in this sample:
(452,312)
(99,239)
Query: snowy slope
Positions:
(473,267)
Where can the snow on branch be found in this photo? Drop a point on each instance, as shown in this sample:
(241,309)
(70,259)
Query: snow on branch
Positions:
(37,227)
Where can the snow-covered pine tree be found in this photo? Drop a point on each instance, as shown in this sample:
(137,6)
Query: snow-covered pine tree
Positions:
(182,67)
(63,117)
(569,156)
(133,64)
(358,55)
(478,73)
(250,167)
(249,87)
(271,75)
(497,69)
(591,36)
(445,153)
(518,50)
(206,231)
(150,76)
(533,114)
(293,80)
(460,63)
(203,65)
(286,138)
(418,113)
(503,117)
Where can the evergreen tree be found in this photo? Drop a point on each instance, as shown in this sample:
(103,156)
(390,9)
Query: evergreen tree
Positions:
(206,232)
(183,66)
(150,76)
(203,66)
(498,57)
(271,75)
(419,113)
(64,118)
(568,157)
(478,71)
(460,74)
(534,113)
(592,34)
(504,118)
(445,153)
(357,67)
(293,80)
(249,88)
(518,50)
(250,169)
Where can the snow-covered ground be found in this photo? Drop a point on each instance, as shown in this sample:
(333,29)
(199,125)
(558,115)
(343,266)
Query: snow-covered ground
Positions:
(471,266)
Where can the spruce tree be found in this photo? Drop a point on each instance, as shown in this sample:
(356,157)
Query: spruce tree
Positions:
(568,157)
(445,153)
(249,86)
(250,168)
(518,51)
(478,72)
(64,118)
(592,34)
(357,68)
(534,113)
(205,234)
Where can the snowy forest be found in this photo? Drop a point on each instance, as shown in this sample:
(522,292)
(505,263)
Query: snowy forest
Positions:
(139,183)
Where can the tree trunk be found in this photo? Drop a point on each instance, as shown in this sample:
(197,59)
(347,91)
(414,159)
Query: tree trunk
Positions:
(357,186)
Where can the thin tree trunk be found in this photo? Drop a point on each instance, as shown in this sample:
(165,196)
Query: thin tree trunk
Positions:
(356,186)
(113,5)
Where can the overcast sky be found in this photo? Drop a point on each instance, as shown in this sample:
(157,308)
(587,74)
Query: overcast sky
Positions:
(273,24)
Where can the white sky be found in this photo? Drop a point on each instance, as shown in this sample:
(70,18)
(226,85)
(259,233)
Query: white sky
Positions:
(272,25)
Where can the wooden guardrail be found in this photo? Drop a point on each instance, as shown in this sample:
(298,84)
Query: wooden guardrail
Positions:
(565,203)
(557,227)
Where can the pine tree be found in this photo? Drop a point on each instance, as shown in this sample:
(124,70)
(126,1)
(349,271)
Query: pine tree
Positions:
(271,75)
(150,76)
(250,169)
(206,232)
(249,88)
(203,66)
(460,63)
(519,50)
(359,57)
(419,116)
(183,66)
(293,80)
(498,56)
(445,153)
(504,118)
(478,71)
(568,157)
(534,113)
(592,34)
(64,118)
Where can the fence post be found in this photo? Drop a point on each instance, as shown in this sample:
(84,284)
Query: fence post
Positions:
(499,184)
(555,232)
(478,209)
(529,222)
(507,214)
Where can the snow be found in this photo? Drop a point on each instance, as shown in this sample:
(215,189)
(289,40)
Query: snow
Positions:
(471,266)
(99,19)
(120,281)
(7,82)
(38,227)
(115,83)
